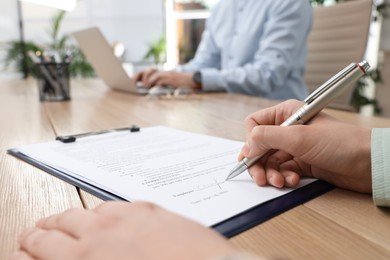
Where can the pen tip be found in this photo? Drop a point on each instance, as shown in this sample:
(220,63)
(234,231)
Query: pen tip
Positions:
(237,170)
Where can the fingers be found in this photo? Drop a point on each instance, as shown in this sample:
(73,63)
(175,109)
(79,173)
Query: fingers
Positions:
(279,178)
(152,77)
(264,131)
(43,244)
(274,177)
(291,139)
(306,144)
(146,80)
(275,115)
(291,173)
(244,151)
(170,78)
(137,77)
(159,79)
(278,169)
(73,222)
(144,77)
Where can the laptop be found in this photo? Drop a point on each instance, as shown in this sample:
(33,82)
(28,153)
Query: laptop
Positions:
(107,66)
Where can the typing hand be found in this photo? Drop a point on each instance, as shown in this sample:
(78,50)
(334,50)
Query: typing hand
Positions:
(144,77)
(152,77)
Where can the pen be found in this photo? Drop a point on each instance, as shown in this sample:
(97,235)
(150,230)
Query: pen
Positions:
(314,103)
(47,72)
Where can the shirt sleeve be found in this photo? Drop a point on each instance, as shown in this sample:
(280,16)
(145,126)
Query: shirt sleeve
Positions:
(380,161)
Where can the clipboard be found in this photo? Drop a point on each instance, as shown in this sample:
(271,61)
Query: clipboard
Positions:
(229,227)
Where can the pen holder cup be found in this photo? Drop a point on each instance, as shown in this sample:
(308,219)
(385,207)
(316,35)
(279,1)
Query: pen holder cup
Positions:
(53,81)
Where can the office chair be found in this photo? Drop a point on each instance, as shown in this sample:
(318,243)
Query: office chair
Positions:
(338,37)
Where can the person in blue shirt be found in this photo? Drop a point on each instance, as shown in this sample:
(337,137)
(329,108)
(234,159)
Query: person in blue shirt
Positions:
(251,47)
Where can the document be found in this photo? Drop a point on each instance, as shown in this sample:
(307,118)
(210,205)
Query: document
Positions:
(181,171)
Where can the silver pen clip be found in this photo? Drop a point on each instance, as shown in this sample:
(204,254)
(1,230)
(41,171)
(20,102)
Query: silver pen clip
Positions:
(330,83)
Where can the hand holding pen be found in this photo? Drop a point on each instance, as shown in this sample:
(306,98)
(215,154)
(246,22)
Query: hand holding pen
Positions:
(326,149)
(314,103)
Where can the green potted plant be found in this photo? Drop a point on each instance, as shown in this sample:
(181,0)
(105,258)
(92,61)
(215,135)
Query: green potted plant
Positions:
(79,65)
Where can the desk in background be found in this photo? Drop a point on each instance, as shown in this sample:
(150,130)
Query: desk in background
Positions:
(339,224)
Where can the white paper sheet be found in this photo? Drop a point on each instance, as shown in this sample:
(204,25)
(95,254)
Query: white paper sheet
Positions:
(180,171)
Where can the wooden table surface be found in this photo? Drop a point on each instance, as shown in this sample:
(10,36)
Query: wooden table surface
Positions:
(337,225)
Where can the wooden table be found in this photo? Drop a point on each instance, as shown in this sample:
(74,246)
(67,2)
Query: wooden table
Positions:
(337,225)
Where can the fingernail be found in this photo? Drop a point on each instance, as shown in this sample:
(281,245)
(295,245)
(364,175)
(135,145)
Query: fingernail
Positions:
(24,233)
(40,222)
(290,180)
(270,179)
(245,149)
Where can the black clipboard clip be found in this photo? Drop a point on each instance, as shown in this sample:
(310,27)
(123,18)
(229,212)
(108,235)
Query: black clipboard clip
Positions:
(73,138)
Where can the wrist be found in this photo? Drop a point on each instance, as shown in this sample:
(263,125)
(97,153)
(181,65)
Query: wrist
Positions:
(197,80)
